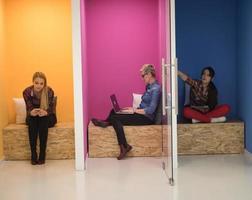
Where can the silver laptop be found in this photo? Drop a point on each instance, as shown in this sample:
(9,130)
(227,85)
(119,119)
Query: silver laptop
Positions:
(117,108)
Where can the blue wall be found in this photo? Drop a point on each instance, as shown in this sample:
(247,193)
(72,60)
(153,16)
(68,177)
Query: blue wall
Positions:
(206,35)
(244,68)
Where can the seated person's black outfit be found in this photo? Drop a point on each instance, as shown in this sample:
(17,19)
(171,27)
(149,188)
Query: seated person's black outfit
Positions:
(38,126)
(118,120)
(149,103)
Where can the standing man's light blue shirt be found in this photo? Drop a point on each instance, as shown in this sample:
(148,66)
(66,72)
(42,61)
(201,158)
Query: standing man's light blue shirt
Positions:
(150,99)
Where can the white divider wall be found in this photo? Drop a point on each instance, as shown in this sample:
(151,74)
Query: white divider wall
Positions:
(77,73)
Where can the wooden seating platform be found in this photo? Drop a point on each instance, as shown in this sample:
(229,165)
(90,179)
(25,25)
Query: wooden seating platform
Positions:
(193,139)
(60,143)
(146,141)
(211,138)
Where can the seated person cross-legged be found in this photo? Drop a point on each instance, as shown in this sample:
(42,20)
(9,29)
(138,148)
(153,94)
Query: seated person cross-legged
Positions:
(144,115)
(203,99)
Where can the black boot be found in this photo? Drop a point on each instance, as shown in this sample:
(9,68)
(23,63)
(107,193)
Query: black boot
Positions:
(128,148)
(123,151)
(34,158)
(42,156)
(100,123)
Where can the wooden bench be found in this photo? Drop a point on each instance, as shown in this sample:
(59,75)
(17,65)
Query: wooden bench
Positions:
(60,143)
(193,139)
(213,138)
(146,141)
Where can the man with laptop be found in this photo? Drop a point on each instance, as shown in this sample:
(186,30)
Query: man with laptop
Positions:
(144,115)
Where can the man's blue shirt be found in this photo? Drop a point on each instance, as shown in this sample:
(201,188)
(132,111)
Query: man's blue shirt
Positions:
(150,99)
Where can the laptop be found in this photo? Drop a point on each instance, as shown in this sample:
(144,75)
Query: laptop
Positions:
(117,108)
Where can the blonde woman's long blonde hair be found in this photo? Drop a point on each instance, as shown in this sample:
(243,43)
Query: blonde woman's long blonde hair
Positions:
(44,94)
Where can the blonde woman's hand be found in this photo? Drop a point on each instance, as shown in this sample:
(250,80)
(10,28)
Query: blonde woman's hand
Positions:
(35,112)
(42,113)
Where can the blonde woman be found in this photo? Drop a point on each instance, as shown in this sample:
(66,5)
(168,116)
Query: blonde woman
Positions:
(144,115)
(39,106)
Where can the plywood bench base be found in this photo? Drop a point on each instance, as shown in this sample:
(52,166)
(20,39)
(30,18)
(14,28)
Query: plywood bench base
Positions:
(193,139)
(146,141)
(211,138)
(60,143)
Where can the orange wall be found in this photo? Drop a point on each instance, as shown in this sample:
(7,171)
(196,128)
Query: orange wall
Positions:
(3,102)
(38,38)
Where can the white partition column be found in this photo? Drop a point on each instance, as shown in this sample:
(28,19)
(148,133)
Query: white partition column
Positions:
(77,75)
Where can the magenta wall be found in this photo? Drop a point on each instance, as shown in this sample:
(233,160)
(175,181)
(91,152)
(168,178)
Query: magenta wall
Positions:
(121,37)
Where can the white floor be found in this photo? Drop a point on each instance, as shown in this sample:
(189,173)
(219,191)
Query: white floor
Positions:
(198,178)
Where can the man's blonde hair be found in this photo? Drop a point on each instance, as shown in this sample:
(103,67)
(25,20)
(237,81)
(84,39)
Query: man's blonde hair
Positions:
(148,68)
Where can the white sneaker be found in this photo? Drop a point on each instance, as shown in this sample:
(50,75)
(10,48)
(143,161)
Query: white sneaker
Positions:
(194,121)
(218,119)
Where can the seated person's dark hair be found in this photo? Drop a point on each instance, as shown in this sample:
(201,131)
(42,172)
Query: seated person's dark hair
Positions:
(210,69)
